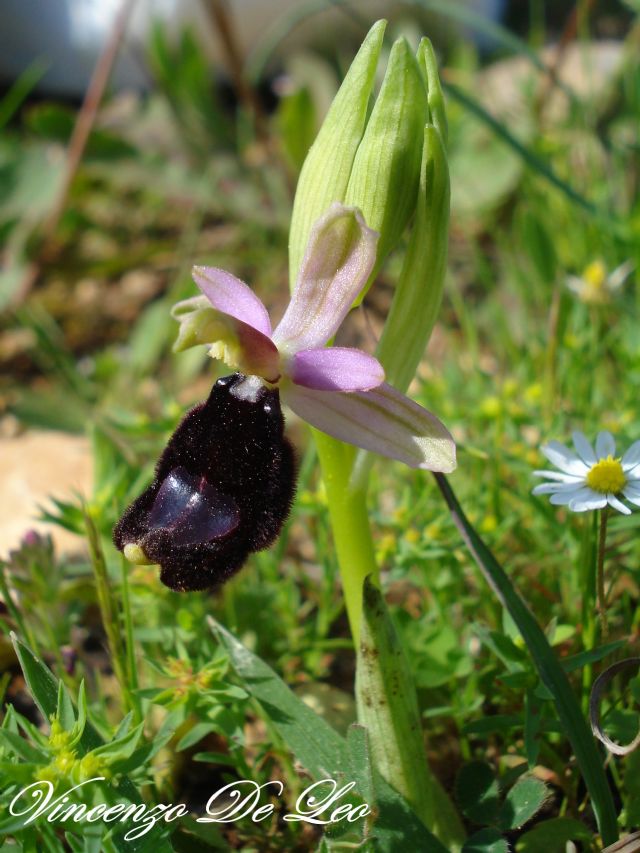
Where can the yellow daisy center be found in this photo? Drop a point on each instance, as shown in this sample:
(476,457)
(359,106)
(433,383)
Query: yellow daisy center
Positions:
(595,275)
(606,476)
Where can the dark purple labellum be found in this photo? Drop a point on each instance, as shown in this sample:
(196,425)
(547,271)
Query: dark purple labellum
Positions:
(223,488)
(193,509)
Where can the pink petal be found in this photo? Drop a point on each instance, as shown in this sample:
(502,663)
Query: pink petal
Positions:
(337,264)
(336,369)
(231,296)
(382,420)
(258,355)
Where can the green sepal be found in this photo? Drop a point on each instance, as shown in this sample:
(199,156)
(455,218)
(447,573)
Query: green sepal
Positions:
(429,66)
(386,170)
(418,294)
(199,323)
(325,174)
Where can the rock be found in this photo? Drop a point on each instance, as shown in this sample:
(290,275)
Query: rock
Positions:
(585,69)
(34,467)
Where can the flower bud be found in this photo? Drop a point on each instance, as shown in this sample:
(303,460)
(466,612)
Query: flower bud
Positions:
(327,168)
(418,294)
(372,163)
(386,170)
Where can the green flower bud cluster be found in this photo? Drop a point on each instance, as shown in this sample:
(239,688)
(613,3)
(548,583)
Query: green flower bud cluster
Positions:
(391,163)
(62,757)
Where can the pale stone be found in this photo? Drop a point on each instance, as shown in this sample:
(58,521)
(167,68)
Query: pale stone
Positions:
(34,467)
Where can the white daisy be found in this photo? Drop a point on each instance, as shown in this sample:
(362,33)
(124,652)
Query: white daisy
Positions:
(590,479)
(596,285)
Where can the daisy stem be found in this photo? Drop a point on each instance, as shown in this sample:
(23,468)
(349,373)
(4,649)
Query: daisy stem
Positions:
(588,582)
(602,599)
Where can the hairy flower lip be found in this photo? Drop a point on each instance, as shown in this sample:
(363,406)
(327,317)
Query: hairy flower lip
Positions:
(223,487)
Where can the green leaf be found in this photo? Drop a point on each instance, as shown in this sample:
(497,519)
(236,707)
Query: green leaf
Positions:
(632,787)
(20,90)
(64,710)
(532,722)
(194,735)
(322,751)
(551,836)
(388,708)
(40,681)
(22,748)
(582,659)
(478,792)
(486,841)
(120,748)
(44,689)
(522,802)
(359,757)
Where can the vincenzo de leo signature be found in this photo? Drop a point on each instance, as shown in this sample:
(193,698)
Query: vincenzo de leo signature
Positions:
(320,804)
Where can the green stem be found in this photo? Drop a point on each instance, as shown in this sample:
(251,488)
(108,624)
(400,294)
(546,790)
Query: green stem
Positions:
(602,599)
(349,523)
(108,611)
(21,625)
(132,669)
(549,669)
(390,714)
(588,575)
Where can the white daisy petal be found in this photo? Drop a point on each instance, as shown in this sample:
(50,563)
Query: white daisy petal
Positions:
(552,488)
(586,499)
(613,501)
(584,448)
(620,275)
(632,457)
(563,458)
(556,475)
(605,445)
(632,495)
(565,496)
(588,504)
(576,285)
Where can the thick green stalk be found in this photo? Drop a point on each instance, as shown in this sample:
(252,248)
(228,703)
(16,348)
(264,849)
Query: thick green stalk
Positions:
(388,706)
(349,523)
(387,710)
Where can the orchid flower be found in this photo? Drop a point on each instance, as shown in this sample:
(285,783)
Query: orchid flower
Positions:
(339,390)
